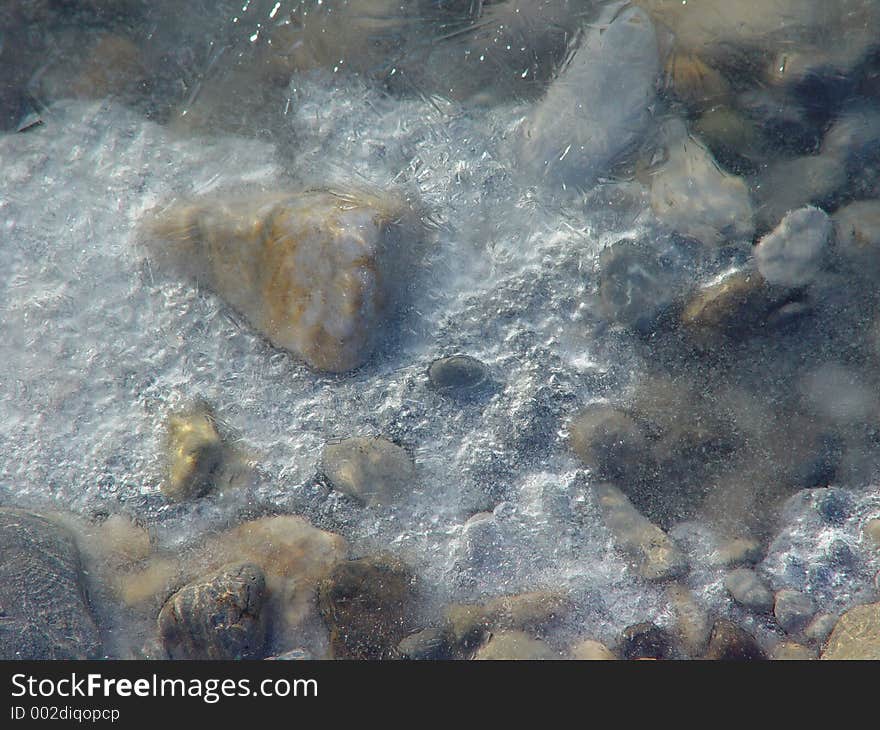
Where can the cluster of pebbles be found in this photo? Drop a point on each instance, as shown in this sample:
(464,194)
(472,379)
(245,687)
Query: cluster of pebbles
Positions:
(674,371)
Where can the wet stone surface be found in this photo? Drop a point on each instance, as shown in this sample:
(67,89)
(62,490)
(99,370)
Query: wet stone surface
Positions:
(220,616)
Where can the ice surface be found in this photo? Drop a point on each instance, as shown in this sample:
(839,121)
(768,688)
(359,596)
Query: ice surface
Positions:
(98,347)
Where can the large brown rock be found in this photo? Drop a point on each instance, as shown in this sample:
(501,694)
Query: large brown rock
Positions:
(366,604)
(856,634)
(219,616)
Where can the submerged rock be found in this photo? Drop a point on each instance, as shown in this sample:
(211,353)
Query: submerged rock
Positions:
(44,610)
(646,641)
(598,105)
(793,610)
(516,646)
(469,623)
(459,376)
(610,442)
(488,51)
(591,650)
(372,470)
(636,285)
(793,254)
(749,590)
(737,305)
(694,196)
(871,531)
(856,634)
(792,651)
(791,184)
(654,554)
(220,616)
(857,238)
(692,624)
(820,628)
(367,605)
(286,546)
(314,271)
(729,642)
(694,82)
(428,645)
(736,552)
(195,454)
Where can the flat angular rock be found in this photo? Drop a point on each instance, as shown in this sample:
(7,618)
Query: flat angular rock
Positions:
(654,554)
(314,271)
(44,611)
(598,106)
(856,634)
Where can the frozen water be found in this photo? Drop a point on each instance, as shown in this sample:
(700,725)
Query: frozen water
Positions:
(98,347)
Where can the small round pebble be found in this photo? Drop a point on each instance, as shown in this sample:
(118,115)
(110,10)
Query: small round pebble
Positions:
(459,376)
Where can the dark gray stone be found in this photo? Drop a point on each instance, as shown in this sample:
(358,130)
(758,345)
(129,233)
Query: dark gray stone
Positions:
(460,376)
(44,610)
